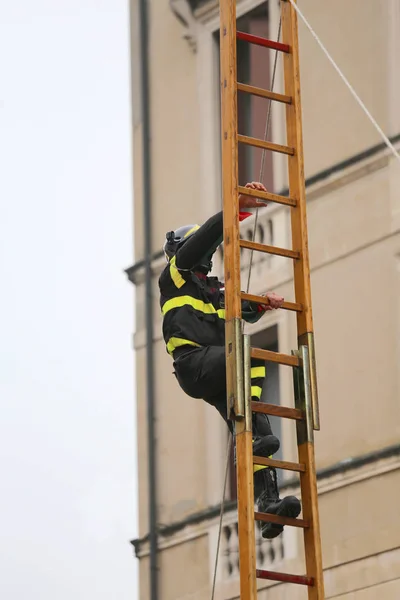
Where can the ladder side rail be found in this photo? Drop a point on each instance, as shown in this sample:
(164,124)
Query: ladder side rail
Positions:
(306,389)
(233,334)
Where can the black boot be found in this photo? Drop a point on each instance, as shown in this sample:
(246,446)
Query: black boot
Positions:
(263,446)
(268,501)
(264,442)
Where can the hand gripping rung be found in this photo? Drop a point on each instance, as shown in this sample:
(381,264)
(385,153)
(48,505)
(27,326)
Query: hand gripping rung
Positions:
(263,300)
(269,249)
(277,411)
(267,196)
(260,41)
(279,464)
(270,518)
(262,93)
(286,577)
(250,141)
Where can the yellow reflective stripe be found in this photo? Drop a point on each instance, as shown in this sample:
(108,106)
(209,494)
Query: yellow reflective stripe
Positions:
(194,228)
(175,275)
(259,467)
(256,391)
(206,308)
(175,342)
(257,372)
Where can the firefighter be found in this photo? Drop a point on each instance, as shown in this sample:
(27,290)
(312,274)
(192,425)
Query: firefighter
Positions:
(192,304)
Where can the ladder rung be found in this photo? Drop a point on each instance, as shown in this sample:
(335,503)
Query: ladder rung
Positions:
(277,411)
(286,577)
(269,249)
(270,518)
(283,359)
(256,91)
(250,141)
(267,196)
(263,300)
(279,464)
(260,41)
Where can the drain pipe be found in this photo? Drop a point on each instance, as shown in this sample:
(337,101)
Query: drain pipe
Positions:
(145,109)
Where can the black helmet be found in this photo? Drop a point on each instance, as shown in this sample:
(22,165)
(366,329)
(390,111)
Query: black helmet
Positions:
(175,239)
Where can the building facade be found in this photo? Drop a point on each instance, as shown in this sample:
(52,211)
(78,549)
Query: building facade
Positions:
(353,196)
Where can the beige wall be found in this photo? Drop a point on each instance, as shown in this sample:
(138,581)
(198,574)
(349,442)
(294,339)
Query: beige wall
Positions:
(355,33)
(174,126)
(354,239)
(189,558)
(353,255)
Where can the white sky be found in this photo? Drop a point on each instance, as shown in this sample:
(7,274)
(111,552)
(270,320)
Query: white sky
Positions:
(67,433)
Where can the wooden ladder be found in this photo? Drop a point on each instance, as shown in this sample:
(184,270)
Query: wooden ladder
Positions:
(238,350)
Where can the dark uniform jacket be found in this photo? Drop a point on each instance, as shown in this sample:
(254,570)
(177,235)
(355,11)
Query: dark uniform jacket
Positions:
(193,304)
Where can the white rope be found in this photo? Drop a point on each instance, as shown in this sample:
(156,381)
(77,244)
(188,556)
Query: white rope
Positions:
(221,514)
(346,82)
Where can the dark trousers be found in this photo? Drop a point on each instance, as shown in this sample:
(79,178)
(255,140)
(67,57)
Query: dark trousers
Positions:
(201,373)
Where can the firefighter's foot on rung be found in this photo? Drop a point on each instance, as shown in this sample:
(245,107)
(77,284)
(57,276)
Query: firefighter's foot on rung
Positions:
(288,507)
(263,445)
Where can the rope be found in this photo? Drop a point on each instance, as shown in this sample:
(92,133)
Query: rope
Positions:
(266,131)
(221,514)
(346,82)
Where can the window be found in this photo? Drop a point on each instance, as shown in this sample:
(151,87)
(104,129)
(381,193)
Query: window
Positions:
(253,67)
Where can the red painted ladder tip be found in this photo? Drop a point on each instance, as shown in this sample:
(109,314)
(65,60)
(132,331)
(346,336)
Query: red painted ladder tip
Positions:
(260,41)
(285,577)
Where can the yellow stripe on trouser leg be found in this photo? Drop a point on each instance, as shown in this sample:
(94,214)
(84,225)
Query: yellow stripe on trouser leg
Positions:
(256,391)
(257,372)
(259,467)
(175,342)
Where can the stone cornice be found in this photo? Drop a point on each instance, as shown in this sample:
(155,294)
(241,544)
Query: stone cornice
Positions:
(342,474)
